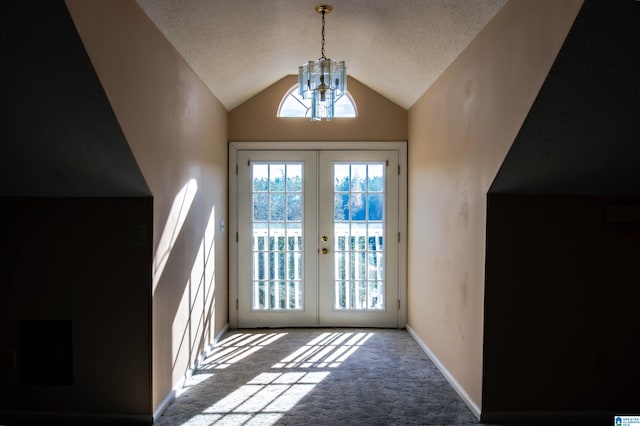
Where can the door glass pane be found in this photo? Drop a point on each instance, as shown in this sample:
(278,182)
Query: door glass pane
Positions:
(277,257)
(358,223)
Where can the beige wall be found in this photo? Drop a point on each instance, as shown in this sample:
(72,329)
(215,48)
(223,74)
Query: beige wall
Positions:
(177,131)
(378,119)
(459,133)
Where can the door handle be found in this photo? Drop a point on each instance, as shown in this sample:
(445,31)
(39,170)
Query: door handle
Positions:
(325,250)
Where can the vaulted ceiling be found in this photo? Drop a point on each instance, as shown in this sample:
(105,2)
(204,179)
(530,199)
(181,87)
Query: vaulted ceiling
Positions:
(396,47)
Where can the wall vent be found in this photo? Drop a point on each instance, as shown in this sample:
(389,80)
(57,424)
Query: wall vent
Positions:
(46,355)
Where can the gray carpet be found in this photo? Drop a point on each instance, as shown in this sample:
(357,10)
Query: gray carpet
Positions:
(317,377)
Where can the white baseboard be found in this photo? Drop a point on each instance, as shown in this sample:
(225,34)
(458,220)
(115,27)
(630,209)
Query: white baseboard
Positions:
(162,407)
(447,375)
(510,417)
(219,337)
(171,396)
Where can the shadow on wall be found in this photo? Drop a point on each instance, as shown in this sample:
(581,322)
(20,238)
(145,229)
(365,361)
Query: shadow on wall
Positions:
(192,328)
(177,215)
(184,331)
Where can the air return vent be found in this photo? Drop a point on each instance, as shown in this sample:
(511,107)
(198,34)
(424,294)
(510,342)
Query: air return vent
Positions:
(46,353)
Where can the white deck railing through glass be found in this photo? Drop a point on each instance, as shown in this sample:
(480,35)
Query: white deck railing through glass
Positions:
(278,267)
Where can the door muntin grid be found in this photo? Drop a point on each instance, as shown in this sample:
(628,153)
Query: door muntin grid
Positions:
(358,224)
(277,282)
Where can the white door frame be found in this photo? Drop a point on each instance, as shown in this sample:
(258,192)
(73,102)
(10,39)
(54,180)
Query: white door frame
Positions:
(234,147)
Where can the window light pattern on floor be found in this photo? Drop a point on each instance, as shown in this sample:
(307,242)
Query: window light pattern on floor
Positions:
(328,350)
(237,348)
(292,105)
(265,398)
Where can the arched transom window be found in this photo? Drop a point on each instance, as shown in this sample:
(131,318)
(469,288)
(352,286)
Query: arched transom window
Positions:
(292,105)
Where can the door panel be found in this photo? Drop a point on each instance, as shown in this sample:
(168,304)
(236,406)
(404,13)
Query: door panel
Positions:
(276,240)
(358,260)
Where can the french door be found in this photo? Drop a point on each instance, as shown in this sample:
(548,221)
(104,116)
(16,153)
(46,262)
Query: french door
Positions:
(317,238)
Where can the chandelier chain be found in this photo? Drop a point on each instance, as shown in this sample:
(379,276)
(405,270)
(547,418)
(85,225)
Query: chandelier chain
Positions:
(322,50)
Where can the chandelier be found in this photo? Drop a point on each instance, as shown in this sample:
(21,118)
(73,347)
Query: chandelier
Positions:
(323,81)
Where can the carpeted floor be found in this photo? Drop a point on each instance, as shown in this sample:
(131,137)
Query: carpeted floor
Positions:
(317,377)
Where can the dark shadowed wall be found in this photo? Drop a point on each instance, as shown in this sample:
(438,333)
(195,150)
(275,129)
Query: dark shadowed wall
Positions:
(75,251)
(84,262)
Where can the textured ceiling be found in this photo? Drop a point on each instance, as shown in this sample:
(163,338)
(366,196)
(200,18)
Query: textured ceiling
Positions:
(396,47)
